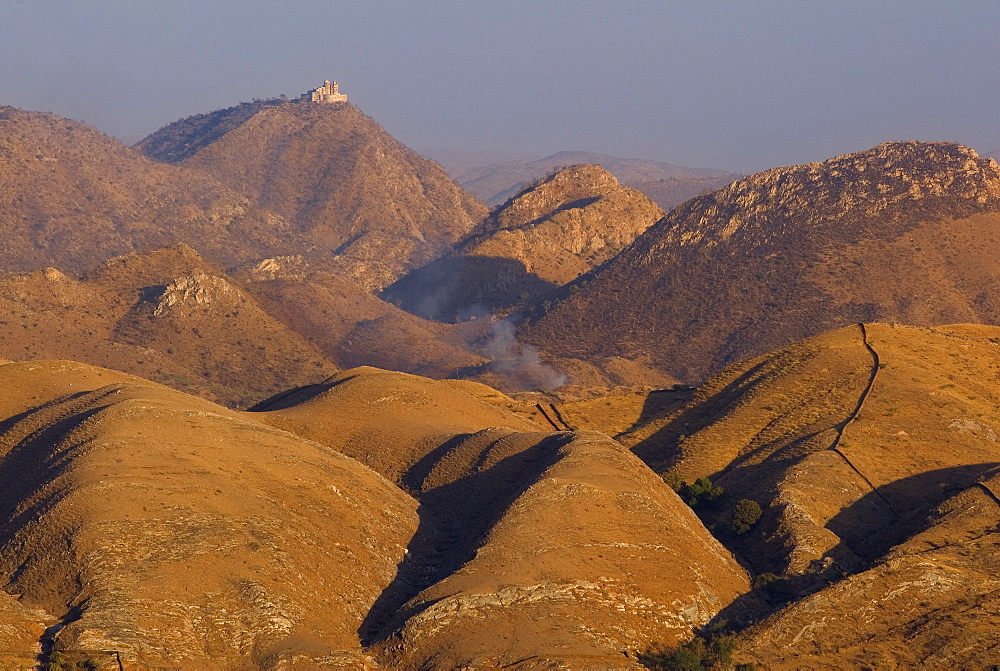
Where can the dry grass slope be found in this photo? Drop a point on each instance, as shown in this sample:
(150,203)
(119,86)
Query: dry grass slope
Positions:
(71,197)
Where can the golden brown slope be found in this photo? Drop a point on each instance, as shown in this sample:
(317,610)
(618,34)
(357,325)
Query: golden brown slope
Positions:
(932,602)
(346,184)
(386,420)
(548,234)
(352,326)
(901,232)
(533,548)
(850,441)
(72,197)
(166,315)
(589,558)
(183,534)
(179,533)
(839,484)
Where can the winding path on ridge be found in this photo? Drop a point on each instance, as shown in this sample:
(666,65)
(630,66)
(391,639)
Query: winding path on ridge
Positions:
(838,441)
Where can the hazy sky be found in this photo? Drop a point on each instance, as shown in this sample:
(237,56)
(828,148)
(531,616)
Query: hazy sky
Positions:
(737,85)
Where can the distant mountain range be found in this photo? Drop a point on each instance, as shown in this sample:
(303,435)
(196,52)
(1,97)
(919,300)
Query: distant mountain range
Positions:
(667,184)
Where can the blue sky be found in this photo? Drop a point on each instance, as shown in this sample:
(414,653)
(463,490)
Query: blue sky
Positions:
(732,85)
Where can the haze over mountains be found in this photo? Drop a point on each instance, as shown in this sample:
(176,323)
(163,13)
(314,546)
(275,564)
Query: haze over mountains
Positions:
(232,436)
(667,184)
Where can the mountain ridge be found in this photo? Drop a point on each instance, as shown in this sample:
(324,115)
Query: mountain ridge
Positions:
(374,207)
(798,249)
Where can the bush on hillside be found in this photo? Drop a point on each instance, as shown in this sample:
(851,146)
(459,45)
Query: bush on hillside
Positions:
(701,652)
(745,515)
(700,494)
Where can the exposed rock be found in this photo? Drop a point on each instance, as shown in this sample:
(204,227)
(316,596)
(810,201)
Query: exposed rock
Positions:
(282,267)
(197,290)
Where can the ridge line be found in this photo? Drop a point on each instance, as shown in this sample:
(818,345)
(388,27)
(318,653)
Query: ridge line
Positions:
(835,446)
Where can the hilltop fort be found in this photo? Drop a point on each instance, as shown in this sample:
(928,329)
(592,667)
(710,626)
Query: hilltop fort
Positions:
(329,92)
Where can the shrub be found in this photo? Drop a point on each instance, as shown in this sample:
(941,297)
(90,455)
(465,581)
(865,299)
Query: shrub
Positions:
(702,492)
(763,580)
(745,515)
(713,652)
(674,479)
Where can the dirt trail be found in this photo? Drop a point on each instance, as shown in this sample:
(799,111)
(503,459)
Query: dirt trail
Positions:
(835,446)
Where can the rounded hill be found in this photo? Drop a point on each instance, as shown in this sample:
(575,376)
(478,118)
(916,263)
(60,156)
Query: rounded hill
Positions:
(550,233)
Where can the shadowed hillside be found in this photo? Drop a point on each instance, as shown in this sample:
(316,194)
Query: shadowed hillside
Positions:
(552,232)
(901,232)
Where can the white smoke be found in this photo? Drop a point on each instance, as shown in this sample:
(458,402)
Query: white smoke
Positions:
(521,364)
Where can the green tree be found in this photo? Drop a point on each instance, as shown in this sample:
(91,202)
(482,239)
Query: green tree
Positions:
(745,515)
(702,492)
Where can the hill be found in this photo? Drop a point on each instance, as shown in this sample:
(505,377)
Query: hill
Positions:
(175,532)
(901,232)
(552,232)
(346,184)
(168,315)
(531,545)
(667,184)
(179,533)
(240,336)
(71,197)
(872,453)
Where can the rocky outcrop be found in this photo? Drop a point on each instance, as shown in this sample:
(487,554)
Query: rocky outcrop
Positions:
(893,184)
(197,290)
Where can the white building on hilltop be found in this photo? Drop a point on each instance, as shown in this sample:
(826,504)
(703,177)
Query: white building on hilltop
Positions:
(329,92)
